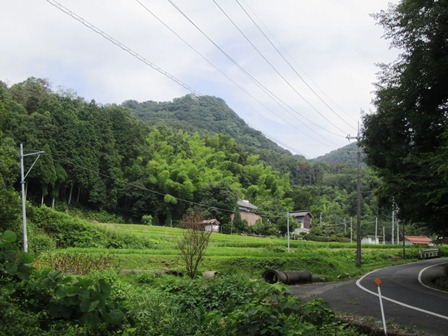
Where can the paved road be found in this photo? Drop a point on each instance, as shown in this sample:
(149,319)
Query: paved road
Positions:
(407,300)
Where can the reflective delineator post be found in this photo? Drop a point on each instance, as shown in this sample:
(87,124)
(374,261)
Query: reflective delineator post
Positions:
(378,283)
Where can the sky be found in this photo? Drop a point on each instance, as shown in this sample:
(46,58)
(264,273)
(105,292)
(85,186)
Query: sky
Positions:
(301,72)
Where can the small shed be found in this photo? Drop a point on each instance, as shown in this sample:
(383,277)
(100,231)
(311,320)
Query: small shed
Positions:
(304,218)
(370,240)
(417,240)
(210,225)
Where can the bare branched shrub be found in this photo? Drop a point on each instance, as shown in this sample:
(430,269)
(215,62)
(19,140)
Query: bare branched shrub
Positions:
(193,243)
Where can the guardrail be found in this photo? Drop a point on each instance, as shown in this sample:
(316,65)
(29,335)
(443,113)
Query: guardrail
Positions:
(429,253)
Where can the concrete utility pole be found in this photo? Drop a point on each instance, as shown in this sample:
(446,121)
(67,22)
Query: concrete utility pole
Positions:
(376,230)
(22,182)
(358,191)
(351,229)
(393,227)
(287,226)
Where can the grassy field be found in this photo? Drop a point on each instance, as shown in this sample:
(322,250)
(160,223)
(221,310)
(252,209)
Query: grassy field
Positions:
(228,254)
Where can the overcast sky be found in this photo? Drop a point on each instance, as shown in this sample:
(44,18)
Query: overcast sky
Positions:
(299,71)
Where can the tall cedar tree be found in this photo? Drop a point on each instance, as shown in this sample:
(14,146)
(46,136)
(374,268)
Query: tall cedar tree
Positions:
(404,136)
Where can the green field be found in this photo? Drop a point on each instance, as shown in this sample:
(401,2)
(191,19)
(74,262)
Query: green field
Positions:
(227,254)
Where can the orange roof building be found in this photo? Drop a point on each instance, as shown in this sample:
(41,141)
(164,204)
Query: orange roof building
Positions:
(418,240)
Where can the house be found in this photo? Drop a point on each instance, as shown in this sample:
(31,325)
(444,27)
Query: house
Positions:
(303,218)
(247,212)
(210,225)
(370,240)
(417,240)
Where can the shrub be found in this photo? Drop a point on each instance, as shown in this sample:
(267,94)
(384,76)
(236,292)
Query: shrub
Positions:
(273,311)
(147,219)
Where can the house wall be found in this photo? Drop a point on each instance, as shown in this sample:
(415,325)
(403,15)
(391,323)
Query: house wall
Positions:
(307,222)
(212,228)
(250,217)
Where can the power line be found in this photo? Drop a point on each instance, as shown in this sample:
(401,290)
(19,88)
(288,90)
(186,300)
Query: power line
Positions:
(272,36)
(244,71)
(229,78)
(144,60)
(121,45)
(141,58)
(292,68)
(274,68)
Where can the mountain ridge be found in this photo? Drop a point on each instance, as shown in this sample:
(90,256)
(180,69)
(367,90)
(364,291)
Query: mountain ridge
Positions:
(210,115)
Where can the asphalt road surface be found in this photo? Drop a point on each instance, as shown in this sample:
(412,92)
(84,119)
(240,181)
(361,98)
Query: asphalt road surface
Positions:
(407,300)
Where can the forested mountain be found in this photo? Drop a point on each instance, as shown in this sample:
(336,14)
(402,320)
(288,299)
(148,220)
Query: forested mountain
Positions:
(206,115)
(344,155)
(209,116)
(106,158)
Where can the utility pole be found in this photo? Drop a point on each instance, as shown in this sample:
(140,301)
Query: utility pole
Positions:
(22,182)
(358,191)
(404,243)
(376,230)
(393,226)
(287,227)
(351,229)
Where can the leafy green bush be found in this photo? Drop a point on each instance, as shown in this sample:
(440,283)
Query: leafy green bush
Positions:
(39,241)
(14,268)
(147,219)
(68,231)
(153,313)
(273,311)
(48,303)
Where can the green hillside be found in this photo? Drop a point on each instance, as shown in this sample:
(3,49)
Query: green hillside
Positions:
(344,155)
(209,116)
(162,160)
(205,114)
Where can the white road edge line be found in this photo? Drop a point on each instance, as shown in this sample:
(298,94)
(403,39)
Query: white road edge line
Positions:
(420,277)
(358,283)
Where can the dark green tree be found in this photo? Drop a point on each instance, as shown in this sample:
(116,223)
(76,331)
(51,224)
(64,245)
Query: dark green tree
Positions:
(9,199)
(411,113)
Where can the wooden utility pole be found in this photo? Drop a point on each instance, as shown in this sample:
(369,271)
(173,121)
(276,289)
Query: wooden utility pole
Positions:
(358,191)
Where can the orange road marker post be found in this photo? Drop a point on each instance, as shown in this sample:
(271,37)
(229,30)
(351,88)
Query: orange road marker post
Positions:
(378,283)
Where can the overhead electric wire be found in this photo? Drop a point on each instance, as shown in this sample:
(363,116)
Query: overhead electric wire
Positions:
(228,77)
(283,50)
(274,68)
(145,61)
(121,45)
(254,80)
(292,68)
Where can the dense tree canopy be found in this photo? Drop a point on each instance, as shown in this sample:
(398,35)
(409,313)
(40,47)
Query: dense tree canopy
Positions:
(404,140)
(105,158)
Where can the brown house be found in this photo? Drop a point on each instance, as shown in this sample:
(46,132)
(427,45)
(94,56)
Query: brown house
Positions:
(304,219)
(247,212)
